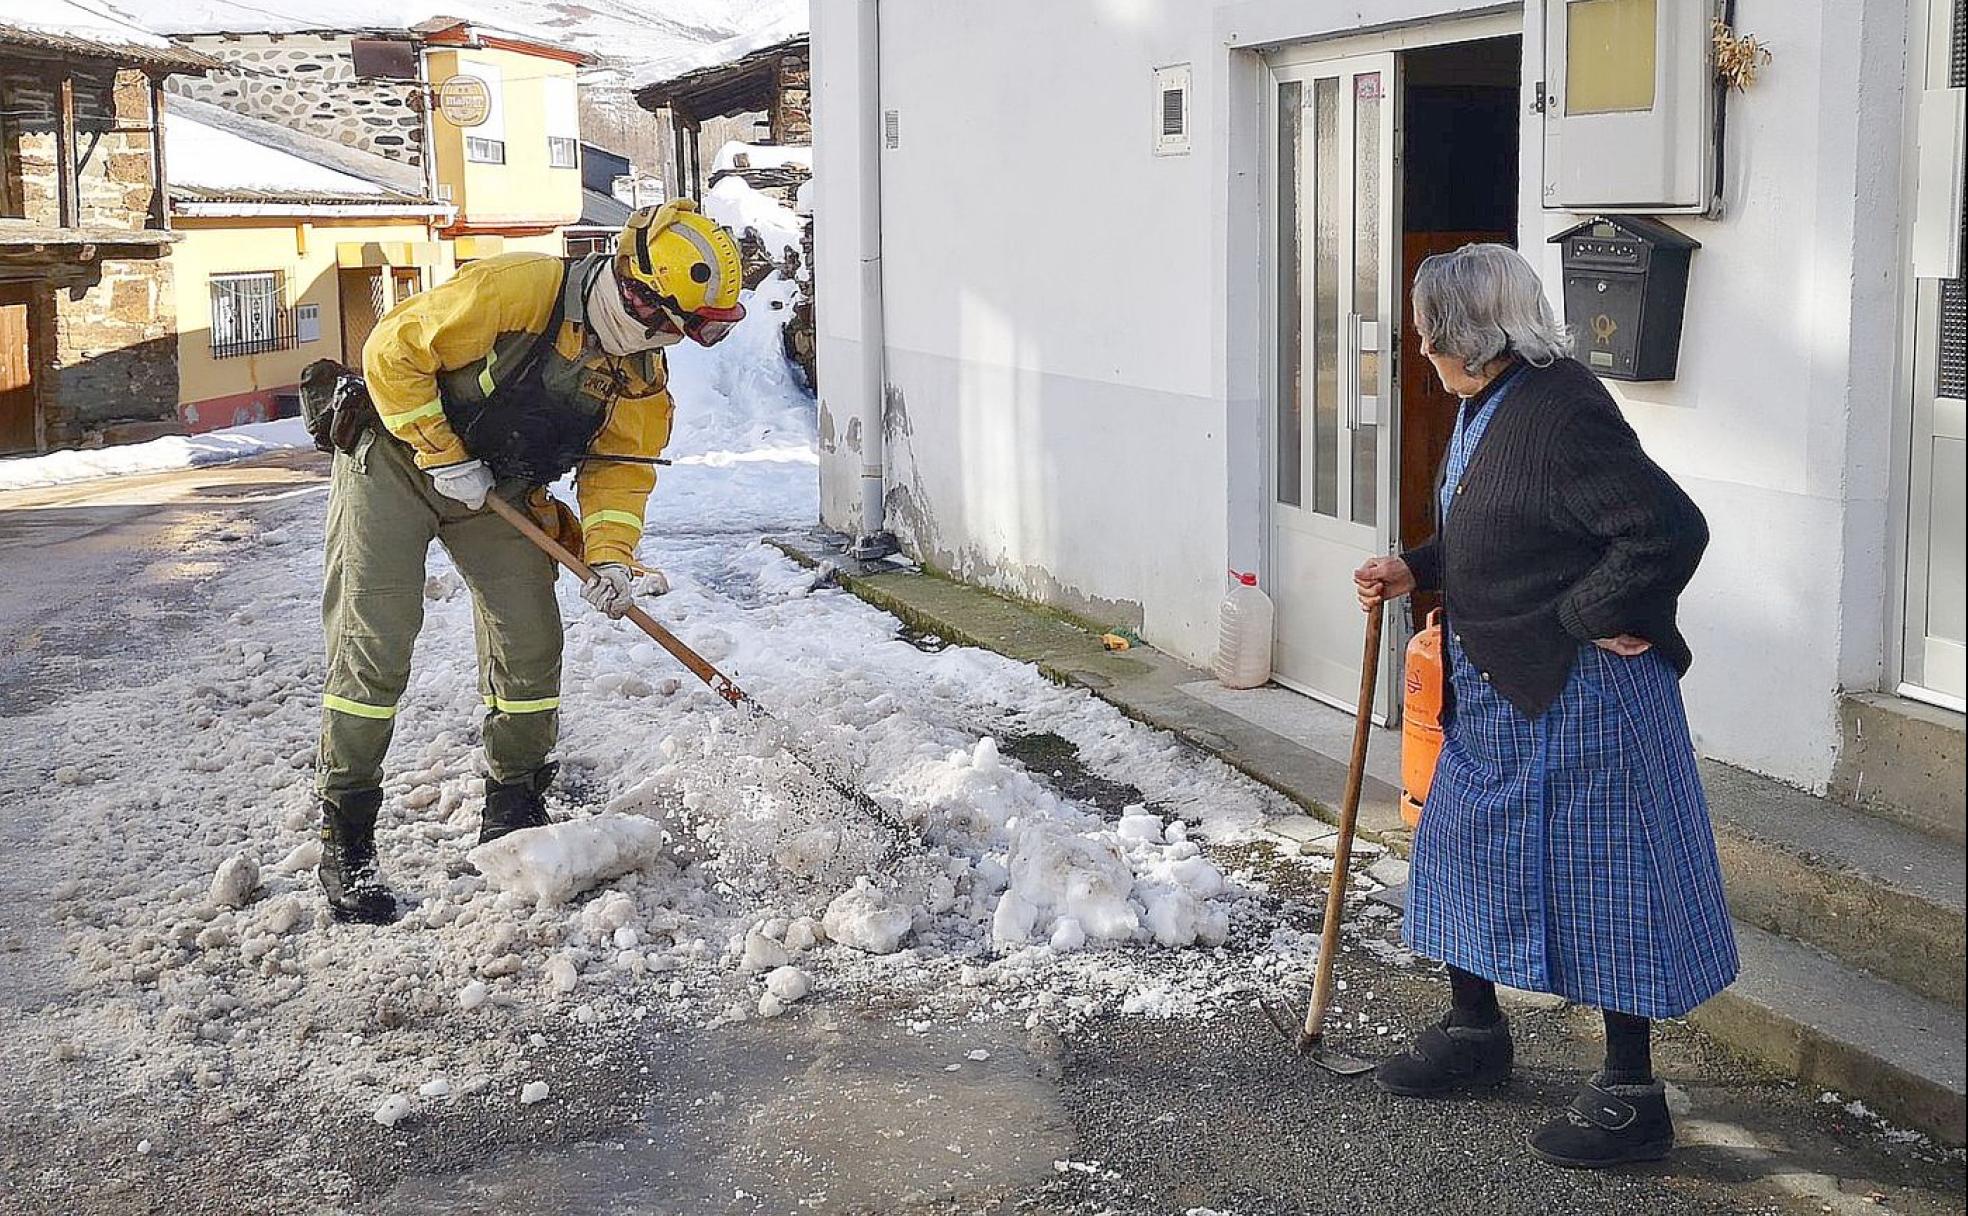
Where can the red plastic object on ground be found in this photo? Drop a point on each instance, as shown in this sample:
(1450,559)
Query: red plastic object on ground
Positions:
(1421,718)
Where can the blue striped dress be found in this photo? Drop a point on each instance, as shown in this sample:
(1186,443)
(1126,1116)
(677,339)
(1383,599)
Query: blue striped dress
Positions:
(1572,853)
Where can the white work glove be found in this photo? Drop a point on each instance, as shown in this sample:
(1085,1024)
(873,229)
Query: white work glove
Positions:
(468,482)
(613,588)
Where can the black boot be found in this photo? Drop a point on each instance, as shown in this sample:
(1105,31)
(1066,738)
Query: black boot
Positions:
(1446,1058)
(1608,1125)
(510,807)
(348,860)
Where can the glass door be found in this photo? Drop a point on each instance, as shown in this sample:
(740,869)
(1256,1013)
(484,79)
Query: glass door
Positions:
(1333,234)
(1934,650)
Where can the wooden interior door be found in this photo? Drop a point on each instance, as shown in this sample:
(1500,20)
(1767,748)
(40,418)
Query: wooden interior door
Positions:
(18,403)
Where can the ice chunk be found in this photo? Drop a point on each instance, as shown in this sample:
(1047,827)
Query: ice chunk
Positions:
(472,995)
(552,864)
(534,1091)
(1067,934)
(861,918)
(436,1087)
(789,984)
(236,880)
(304,856)
(394,1108)
(763,954)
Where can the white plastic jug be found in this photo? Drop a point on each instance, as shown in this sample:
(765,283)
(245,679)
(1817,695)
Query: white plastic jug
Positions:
(1243,638)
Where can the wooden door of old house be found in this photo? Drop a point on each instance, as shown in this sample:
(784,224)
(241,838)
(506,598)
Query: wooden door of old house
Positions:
(17,396)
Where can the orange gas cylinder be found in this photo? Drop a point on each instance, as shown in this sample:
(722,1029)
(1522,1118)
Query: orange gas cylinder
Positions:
(1421,718)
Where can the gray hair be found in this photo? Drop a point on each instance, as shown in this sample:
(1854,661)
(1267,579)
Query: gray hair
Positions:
(1484,300)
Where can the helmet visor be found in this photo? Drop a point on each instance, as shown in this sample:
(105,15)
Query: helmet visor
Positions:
(713,325)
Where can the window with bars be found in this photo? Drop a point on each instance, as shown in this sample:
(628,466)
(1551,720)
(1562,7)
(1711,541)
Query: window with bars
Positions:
(249,315)
(563,153)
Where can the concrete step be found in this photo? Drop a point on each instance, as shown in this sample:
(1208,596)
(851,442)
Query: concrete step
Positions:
(1871,892)
(1837,1029)
(1903,761)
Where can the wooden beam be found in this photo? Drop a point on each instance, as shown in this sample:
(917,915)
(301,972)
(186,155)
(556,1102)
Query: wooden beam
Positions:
(161,200)
(65,179)
(696,161)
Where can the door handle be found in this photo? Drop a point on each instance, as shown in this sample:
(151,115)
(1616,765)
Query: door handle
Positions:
(1351,386)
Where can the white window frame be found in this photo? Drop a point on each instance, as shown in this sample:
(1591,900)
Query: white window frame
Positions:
(248,313)
(485,144)
(561,107)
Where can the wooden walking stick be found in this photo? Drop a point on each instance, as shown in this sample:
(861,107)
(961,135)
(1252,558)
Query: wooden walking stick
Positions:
(1307,1040)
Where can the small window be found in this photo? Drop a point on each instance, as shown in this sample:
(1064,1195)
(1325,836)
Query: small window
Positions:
(307,323)
(485,151)
(249,315)
(1172,110)
(563,153)
(384,58)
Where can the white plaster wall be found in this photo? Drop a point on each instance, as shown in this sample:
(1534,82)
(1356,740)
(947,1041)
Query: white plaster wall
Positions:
(1072,327)
(837,204)
(1780,420)
(1050,333)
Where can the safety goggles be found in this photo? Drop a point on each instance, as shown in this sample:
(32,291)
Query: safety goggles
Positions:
(707,327)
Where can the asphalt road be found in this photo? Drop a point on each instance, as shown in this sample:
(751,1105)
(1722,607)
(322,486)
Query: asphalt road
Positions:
(839,1107)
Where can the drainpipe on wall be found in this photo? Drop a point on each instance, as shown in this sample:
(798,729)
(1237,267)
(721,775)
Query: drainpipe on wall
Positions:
(874,541)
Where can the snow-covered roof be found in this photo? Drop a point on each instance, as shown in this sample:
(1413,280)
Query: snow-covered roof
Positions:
(213,155)
(72,28)
(782,29)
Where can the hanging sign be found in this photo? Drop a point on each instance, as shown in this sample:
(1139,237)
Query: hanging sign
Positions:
(464,101)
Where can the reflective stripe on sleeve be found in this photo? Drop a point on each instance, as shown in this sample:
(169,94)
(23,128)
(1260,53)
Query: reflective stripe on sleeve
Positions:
(428,409)
(612,517)
(342,705)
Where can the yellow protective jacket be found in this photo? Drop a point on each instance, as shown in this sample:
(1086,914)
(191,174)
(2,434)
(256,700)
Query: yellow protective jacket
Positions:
(470,330)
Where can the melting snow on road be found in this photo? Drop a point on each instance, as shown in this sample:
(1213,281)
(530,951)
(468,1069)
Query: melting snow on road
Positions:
(156,456)
(703,877)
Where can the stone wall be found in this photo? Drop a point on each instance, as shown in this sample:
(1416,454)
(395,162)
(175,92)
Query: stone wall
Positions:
(116,348)
(308,82)
(103,315)
(117,187)
(792,111)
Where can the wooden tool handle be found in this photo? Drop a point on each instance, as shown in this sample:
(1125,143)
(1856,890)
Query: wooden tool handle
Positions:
(719,683)
(1349,814)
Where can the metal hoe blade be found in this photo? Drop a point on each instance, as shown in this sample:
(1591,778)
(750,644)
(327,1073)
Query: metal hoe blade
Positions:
(1288,1027)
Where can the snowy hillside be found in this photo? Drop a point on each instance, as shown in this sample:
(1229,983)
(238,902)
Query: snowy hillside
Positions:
(626,35)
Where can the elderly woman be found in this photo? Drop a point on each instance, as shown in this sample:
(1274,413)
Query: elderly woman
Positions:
(1565,846)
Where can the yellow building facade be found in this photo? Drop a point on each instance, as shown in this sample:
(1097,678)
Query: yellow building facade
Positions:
(260,298)
(291,247)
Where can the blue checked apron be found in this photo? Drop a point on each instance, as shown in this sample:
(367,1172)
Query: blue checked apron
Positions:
(1571,854)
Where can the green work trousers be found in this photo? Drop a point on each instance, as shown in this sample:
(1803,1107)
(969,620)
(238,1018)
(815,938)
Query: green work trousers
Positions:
(383,513)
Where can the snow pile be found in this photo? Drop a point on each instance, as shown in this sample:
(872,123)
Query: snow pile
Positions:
(156,456)
(735,204)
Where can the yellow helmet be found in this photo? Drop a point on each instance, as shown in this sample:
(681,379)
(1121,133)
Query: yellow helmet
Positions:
(674,260)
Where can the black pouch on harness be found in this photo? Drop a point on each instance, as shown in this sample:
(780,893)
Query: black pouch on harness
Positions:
(335,405)
(536,422)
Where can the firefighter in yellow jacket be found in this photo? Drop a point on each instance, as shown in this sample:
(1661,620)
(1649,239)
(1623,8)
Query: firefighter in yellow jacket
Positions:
(499,381)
